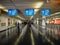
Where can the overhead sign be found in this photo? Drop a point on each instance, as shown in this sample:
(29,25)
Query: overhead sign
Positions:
(29,12)
(12,12)
(45,12)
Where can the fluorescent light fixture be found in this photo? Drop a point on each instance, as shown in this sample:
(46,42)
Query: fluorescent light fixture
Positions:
(35,11)
(57,18)
(55,13)
(21,18)
(31,17)
(38,4)
(5,10)
(2,7)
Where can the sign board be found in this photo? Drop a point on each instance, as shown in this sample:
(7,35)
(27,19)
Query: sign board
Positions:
(45,12)
(29,12)
(12,12)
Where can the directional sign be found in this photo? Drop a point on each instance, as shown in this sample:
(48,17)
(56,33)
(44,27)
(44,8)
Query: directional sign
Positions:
(12,12)
(45,12)
(29,12)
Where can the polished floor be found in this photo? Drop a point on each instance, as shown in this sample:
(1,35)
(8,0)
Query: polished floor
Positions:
(28,36)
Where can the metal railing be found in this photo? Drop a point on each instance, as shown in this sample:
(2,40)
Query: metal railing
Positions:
(8,32)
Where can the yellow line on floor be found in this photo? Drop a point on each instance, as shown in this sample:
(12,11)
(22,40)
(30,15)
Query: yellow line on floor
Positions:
(53,35)
(46,38)
(17,41)
(32,39)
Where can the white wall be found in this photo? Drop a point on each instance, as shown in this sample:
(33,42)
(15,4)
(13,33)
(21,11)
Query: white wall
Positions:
(3,20)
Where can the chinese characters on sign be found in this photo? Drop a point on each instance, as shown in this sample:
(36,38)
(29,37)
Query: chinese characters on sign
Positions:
(45,12)
(29,12)
(12,12)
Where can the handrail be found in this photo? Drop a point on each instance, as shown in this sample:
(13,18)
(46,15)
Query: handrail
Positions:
(6,28)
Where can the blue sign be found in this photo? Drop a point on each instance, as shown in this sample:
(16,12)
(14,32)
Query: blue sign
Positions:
(45,12)
(12,12)
(29,12)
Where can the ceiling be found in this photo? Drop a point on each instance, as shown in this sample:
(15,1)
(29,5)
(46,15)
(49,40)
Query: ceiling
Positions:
(21,5)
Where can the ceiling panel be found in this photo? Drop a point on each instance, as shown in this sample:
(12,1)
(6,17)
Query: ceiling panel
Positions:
(27,0)
(7,4)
